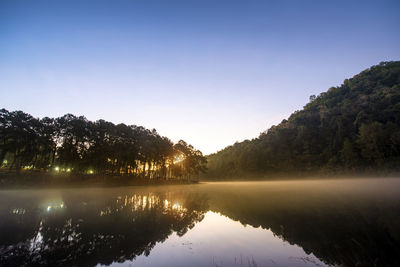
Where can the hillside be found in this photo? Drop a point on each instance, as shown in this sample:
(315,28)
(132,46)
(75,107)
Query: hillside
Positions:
(351,128)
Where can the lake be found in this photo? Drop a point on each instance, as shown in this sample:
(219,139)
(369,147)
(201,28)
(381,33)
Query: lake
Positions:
(344,222)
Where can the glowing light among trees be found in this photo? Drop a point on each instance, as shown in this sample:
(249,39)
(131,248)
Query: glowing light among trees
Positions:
(71,144)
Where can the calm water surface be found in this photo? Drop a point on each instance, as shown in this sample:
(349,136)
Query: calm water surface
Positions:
(286,223)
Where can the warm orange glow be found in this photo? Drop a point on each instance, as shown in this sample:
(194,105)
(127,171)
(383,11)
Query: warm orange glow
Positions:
(179,158)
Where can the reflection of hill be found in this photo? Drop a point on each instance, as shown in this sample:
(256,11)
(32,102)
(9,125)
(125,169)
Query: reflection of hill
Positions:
(344,223)
(90,229)
(339,228)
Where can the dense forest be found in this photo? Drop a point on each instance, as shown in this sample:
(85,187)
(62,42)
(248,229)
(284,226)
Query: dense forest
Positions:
(75,145)
(351,128)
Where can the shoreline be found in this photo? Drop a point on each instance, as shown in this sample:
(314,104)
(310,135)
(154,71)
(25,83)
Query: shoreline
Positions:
(37,180)
(279,176)
(40,180)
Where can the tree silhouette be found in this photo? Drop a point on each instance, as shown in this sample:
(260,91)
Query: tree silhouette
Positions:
(72,144)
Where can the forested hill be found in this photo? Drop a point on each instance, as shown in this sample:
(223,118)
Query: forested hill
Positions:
(351,128)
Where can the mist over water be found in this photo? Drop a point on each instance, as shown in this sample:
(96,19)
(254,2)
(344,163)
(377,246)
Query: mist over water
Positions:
(341,222)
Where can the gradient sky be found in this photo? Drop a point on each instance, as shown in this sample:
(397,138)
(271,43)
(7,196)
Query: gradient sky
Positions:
(209,72)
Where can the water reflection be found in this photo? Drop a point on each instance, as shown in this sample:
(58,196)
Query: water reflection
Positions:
(90,228)
(341,223)
(219,241)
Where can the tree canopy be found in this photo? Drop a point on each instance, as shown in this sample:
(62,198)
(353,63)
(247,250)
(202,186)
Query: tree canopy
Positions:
(350,128)
(74,144)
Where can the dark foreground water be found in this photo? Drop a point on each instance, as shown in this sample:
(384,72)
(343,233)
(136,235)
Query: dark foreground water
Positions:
(290,223)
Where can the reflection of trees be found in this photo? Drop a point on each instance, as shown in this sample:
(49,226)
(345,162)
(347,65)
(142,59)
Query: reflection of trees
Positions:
(344,232)
(114,225)
(96,229)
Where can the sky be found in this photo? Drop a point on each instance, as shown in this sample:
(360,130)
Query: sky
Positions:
(209,72)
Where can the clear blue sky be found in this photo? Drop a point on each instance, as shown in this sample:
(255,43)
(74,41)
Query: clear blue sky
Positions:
(209,72)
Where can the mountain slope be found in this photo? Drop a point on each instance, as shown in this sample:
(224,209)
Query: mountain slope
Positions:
(353,127)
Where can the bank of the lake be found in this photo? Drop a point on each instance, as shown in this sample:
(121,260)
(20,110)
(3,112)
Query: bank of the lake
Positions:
(38,180)
(291,176)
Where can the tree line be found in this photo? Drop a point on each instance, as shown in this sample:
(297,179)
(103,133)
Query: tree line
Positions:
(354,127)
(71,144)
